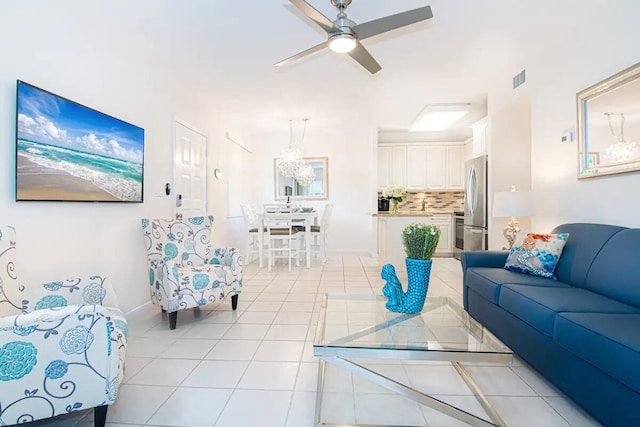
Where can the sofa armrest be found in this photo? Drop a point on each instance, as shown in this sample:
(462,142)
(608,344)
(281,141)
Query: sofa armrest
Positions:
(495,259)
(60,360)
(230,257)
(80,290)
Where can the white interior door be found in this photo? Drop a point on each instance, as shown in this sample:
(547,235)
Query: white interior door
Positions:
(189,170)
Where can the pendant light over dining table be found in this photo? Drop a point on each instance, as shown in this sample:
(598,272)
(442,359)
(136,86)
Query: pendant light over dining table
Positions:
(291,163)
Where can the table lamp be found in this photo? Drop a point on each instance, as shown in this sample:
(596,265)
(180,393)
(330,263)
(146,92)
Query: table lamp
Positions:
(512,204)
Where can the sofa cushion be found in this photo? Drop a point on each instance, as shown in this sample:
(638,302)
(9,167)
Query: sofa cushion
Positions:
(538,306)
(584,243)
(615,272)
(608,341)
(538,254)
(487,281)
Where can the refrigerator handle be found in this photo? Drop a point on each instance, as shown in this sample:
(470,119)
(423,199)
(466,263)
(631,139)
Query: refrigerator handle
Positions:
(472,190)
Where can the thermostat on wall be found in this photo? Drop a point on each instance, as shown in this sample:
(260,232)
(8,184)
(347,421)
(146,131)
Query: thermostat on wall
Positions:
(568,135)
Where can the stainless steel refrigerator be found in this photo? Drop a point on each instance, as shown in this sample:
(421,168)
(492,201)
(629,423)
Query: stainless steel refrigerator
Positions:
(475,204)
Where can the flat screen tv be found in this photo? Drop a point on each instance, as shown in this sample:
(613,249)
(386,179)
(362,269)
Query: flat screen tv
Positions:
(68,152)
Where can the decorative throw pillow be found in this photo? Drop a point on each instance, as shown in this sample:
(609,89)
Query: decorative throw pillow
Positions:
(537,255)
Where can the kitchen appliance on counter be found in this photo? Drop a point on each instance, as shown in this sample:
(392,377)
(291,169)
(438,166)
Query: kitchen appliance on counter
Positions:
(383,205)
(458,233)
(475,205)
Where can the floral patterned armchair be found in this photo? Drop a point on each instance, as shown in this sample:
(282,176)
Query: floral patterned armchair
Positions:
(61,350)
(184,269)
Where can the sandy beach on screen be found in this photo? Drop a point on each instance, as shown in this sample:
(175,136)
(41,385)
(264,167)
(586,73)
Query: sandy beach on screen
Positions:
(51,184)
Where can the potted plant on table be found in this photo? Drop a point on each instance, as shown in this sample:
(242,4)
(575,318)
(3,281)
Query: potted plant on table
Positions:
(395,193)
(419,241)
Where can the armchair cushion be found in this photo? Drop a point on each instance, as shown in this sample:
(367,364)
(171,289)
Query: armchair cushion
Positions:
(55,361)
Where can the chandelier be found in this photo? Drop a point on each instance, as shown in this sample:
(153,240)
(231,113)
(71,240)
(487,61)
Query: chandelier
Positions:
(306,175)
(621,150)
(291,163)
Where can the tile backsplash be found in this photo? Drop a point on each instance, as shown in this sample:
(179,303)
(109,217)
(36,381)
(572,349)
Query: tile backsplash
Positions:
(436,200)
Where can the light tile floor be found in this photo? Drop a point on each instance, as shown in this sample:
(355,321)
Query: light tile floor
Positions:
(255,366)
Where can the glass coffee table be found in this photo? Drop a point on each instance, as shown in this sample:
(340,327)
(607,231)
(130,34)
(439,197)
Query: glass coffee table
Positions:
(360,327)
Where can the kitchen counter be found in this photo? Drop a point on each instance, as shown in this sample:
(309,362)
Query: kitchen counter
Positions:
(413,213)
(390,226)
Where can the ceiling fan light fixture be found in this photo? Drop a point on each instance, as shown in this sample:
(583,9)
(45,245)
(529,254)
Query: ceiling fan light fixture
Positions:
(342,43)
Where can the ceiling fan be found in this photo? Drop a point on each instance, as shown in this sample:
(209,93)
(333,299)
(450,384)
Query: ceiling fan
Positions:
(344,35)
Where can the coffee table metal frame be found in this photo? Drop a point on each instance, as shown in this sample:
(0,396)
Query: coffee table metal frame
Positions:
(336,351)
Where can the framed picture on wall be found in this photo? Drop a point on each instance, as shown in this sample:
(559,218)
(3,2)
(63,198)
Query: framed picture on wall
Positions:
(68,152)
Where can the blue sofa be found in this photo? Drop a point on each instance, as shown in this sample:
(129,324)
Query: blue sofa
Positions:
(582,331)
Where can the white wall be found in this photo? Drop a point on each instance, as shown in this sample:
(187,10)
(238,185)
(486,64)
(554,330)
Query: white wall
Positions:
(133,66)
(349,143)
(602,45)
(509,157)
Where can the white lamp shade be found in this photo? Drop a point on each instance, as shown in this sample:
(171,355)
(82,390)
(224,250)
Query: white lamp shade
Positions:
(512,204)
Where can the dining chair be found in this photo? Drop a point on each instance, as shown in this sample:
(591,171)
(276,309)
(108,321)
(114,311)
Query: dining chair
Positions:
(252,246)
(279,228)
(319,233)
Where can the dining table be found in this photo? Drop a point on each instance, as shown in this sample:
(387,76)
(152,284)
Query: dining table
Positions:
(309,219)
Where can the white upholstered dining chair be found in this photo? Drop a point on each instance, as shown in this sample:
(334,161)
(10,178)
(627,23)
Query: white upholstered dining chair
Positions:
(283,239)
(252,245)
(319,233)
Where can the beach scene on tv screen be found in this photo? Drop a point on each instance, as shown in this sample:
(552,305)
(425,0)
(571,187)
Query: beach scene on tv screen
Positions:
(66,151)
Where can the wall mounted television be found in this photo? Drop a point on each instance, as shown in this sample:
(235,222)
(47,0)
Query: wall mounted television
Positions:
(68,152)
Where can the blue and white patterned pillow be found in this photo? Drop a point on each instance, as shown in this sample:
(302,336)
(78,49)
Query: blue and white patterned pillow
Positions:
(538,254)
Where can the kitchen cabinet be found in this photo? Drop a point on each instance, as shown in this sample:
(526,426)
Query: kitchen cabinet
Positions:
(455,167)
(480,137)
(437,168)
(421,167)
(416,167)
(445,223)
(390,249)
(392,166)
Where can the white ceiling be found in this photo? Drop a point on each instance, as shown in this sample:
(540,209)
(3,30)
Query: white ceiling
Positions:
(454,57)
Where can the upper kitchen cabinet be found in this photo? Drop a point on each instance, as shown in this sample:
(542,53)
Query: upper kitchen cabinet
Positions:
(416,167)
(424,167)
(392,166)
(480,136)
(455,167)
(437,168)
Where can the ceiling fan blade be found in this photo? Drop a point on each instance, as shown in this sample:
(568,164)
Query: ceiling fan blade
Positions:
(302,54)
(364,58)
(316,16)
(382,25)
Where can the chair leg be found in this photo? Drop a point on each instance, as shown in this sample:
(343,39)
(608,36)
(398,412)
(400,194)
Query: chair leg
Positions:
(323,244)
(234,302)
(173,318)
(100,415)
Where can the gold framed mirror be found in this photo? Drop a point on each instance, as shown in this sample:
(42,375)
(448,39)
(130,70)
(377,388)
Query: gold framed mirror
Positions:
(318,189)
(609,125)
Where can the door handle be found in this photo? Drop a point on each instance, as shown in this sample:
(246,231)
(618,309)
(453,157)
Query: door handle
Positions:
(179,200)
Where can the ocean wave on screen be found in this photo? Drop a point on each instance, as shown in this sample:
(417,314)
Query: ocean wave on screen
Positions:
(34,151)
(123,188)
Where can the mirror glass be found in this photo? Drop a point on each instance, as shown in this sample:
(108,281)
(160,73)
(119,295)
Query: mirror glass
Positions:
(318,189)
(609,125)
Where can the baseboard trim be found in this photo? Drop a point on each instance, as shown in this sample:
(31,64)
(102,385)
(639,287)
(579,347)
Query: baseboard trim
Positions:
(138,308)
